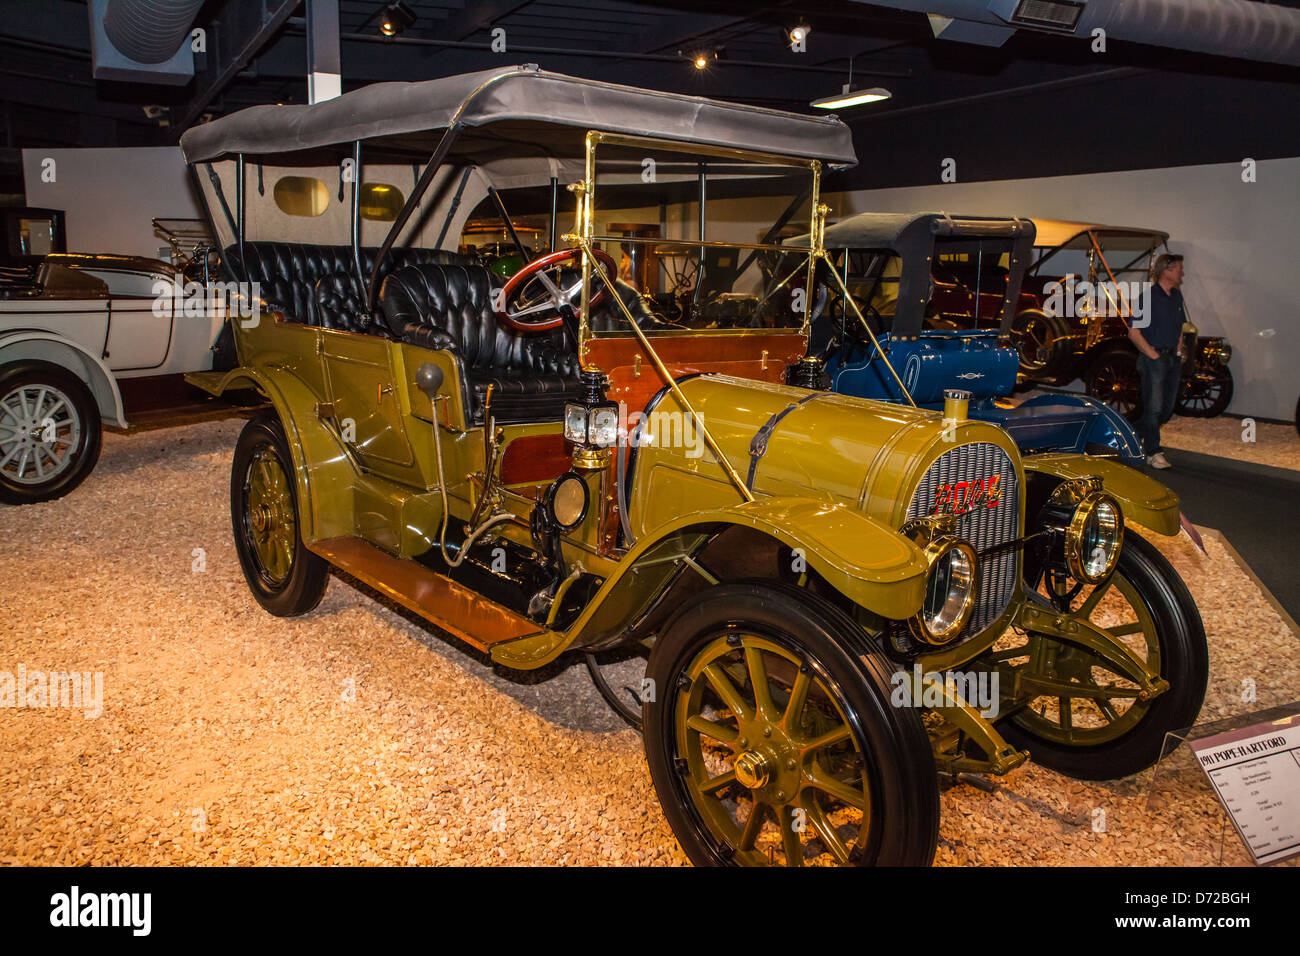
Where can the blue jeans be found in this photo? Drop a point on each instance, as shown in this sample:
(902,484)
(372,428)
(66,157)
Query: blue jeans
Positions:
(1160,380)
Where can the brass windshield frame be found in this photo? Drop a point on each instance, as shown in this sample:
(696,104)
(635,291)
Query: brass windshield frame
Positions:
(584,226)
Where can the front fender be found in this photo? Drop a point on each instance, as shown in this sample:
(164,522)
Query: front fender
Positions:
(1143,499)
(870,563)
(322,468)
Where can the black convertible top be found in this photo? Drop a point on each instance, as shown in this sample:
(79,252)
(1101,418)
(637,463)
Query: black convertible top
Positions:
(519,95)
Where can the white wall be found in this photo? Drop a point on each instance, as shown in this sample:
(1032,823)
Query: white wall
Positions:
(110,195)
(1241,240)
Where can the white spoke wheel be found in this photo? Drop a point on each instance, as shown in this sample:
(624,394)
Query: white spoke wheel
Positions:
(49,432)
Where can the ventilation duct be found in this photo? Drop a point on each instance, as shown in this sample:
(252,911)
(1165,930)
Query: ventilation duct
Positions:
(143,41)
(1239,28)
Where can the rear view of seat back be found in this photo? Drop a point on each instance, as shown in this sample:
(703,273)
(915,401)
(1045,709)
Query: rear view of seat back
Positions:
(316,285)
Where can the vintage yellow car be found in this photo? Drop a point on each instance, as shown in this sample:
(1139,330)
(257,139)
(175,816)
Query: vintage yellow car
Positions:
(837,598)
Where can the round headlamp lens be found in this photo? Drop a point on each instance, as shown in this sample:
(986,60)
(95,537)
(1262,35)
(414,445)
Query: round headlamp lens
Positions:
(949,592)
(1093,540)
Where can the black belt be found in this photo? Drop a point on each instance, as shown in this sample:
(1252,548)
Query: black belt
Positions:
(758,446)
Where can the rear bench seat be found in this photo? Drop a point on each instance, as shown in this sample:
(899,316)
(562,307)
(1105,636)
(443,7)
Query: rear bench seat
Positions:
(316,285)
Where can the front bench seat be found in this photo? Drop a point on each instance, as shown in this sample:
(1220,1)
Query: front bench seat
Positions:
(450,307)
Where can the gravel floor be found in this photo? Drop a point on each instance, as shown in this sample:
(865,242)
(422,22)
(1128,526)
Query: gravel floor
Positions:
(356,735)
(1276,445)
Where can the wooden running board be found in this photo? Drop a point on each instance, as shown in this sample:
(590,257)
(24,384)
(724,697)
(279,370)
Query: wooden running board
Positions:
(453,607)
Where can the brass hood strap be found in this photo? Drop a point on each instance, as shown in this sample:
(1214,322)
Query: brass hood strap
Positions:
(758,445)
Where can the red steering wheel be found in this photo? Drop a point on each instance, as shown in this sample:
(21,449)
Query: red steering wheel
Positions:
(536,290)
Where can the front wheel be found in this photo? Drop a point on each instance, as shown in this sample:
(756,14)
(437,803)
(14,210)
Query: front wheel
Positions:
(1097,726)
(1205,396)
(283,575)
(49,432)
(771,737)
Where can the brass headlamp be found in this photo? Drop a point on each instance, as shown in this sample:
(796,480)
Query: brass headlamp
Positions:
(952,583)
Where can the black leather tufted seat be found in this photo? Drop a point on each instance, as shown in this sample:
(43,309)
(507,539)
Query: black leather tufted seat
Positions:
(316,285)
(450,307)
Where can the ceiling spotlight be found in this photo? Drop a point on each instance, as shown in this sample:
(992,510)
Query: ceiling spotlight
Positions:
(396,18)
(848,97)
(799,33)
(701,61)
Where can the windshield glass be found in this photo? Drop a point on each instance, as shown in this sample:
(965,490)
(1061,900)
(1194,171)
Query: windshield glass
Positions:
(698,237)
(1124,252)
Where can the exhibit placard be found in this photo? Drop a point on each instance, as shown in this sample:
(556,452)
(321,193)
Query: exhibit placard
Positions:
(1255,772)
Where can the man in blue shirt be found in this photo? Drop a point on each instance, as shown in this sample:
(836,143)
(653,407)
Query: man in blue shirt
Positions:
(1158,337)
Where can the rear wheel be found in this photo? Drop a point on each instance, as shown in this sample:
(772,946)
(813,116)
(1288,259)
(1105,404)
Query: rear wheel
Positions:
(49,432)
(283,575)
(1205,397)
(771,737)
(1114,380)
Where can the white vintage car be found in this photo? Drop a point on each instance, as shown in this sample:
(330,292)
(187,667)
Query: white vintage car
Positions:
(91,322)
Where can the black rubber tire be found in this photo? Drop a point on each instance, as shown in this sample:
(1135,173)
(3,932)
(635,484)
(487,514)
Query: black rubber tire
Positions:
(85,455)
(904,786)
(304,586)
(1184,662)
(1117,365)
(1038,367)
(1222,397)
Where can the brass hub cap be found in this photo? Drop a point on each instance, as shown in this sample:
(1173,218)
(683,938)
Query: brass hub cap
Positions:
(271,529)
(753,770)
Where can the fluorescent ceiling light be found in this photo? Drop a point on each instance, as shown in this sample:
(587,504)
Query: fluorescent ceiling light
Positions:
(852,98)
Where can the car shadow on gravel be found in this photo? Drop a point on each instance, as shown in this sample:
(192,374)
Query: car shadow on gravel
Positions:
(561,692)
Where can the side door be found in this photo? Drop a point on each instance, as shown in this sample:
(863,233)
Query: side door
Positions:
(140,321)
(362,385)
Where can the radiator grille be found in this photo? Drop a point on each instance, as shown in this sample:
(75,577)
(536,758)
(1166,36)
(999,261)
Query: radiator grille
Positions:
(983,527)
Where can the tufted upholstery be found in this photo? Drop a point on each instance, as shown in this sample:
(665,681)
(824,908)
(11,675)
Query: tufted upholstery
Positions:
(450,307)
(290,275)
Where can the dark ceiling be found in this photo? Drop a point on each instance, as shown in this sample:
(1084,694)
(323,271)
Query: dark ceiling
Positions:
(1036,106)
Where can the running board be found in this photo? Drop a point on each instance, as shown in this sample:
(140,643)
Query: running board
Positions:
(456,609)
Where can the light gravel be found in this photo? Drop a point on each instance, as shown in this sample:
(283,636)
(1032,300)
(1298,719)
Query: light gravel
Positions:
(358,735)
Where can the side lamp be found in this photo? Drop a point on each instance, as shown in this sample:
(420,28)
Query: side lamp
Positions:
(591,423)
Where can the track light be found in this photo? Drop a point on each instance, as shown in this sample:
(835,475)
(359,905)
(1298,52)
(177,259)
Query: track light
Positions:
(703,59)
(396,18)
(849,97)
(799,34)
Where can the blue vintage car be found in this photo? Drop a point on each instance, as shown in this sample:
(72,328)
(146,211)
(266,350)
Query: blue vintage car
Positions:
(906,272)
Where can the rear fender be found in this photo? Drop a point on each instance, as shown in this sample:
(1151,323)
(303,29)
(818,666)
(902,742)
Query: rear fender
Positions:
(34,344)
(1143,499)
(1108,427)
(323,470)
